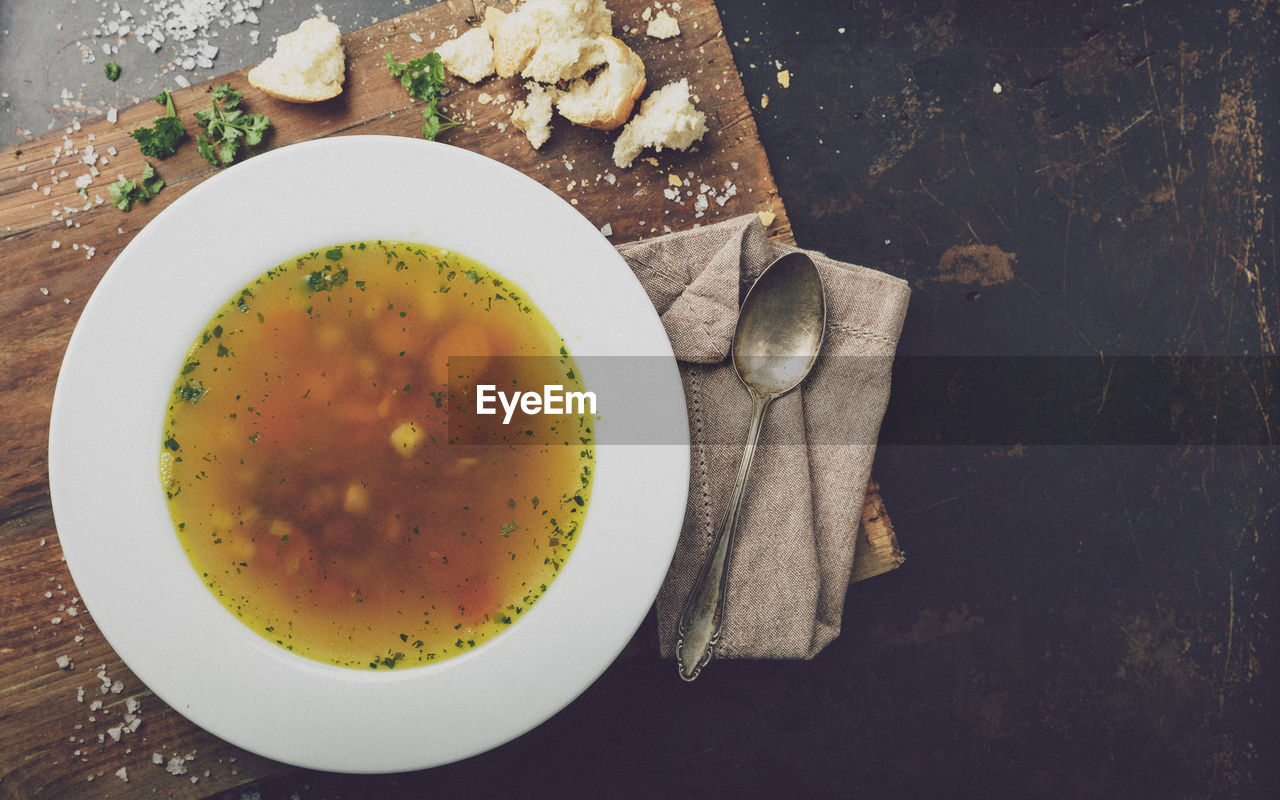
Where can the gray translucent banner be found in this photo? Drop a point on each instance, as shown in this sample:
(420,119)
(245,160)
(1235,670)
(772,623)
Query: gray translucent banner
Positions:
(933,400)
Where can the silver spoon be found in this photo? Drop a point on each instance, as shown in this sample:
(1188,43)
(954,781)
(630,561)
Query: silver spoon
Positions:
(776,341)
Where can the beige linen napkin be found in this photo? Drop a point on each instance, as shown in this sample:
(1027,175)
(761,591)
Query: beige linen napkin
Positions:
(794,550)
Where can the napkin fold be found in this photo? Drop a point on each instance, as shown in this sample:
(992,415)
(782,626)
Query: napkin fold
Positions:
(794,550)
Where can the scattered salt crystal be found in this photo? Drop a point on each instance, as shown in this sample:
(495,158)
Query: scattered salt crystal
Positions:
(156,758)
(64,662)
(123,774)
(416,38)
(181,80)
(55,245)
(176,766)
(606,229)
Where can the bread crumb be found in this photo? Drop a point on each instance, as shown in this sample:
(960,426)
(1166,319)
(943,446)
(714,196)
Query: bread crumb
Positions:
(764,101)
(663,26)
(766,217)
(997,88)
(784,78)
(674,180)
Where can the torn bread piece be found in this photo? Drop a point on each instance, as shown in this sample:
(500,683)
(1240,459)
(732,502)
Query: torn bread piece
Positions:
(492,16)
(667,118)
(309,64)
(470,56)
(549,40)
(533,114)
(663,26)
(605,101)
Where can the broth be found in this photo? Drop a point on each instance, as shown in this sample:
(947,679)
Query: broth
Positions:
(309,471)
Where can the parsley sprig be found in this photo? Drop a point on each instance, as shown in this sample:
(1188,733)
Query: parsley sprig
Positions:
(423,77)
(125,192)
(162,138)
(225,126)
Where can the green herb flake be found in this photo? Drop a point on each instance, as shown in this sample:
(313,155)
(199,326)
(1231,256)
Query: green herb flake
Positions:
(326,278)
(508,528)
(112,70)
(192,391)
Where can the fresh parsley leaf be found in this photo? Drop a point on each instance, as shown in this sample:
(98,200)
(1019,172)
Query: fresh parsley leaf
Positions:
(225,127)
(423,78)
(151,183)
(125,192)
(112,70)
(162,138)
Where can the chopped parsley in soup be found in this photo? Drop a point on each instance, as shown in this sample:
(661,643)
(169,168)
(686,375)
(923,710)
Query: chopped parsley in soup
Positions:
(309,469)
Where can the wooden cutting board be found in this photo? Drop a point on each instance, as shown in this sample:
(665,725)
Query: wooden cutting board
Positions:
(64,730)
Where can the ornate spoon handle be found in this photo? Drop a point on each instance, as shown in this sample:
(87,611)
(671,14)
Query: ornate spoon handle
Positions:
(704,610)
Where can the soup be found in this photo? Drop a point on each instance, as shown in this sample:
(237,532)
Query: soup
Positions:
(310,471)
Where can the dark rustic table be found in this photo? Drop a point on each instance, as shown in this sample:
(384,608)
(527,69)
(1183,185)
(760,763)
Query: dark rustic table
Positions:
(1080,453)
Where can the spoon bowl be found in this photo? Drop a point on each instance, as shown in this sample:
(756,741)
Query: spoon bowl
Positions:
(780,327)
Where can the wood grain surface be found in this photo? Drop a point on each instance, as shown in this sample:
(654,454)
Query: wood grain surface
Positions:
(67,703)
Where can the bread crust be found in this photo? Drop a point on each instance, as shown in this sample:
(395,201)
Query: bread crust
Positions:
(277,77)
(624,82)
